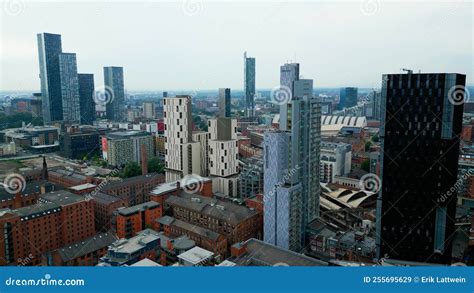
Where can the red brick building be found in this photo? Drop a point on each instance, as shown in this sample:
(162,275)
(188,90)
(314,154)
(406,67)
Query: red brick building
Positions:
(467,133)
(163,191)
(134,219)
(83,253)
(237,223)
(205,238)
(134,190)
(59,218)
(68,178)
(104,207)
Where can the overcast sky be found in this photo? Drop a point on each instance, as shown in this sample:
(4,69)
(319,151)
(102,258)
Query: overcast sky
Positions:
(173,45)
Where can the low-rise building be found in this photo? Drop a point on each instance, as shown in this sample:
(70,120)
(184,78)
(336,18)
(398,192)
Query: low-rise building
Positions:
(121,147)
(83,253)
(132,220)
(196,257)
(254,252)
(104,207)
(129,251)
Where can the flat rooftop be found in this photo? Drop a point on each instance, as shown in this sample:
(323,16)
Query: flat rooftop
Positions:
(196,255)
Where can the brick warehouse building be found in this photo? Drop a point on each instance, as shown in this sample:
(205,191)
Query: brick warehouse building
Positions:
(57,219)
(132,220)
(134,190)
(237,223)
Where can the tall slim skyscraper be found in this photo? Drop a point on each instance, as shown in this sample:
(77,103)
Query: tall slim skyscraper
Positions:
(347,97)
(69,87)
(224,102)
(49,48)
(113,80)
(289,73)
(249,85)
(291,171)
(86,97)
(421,124)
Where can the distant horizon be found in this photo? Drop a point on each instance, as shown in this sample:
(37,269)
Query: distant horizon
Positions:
(336,43)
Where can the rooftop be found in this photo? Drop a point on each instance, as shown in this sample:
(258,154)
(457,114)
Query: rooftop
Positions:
(136,208)
(259,253)
(86,246)
(212,207)
(104,198)
(126,134)
(131,245)
(195,255)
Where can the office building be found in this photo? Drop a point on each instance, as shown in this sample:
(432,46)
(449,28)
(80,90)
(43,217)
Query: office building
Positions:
(347,97)
(115,104)
(289,73)
(223,156)
(49,48)
(251,176)
(335,160)
(291,171)
(69,87)
(419,162)
(149,111)
(249,85)
(224,102)
(86,98)
(121,147)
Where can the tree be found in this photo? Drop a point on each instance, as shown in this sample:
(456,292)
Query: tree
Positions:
(365,165)
(368,145)
(375,138)
(155,165)
(130,170)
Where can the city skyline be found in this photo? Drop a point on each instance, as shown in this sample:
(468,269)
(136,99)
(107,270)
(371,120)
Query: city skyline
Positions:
(296,32)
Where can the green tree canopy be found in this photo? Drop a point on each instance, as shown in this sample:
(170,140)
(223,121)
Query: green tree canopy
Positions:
(130,170)
(155,165)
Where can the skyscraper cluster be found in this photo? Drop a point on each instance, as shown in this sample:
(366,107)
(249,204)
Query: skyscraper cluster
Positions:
(70,97)
(291,164)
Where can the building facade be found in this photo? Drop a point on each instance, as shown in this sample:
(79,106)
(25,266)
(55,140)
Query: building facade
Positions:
(115,105)
(420,142)
(86,98)
(249,85)
(69,87)
(224,102)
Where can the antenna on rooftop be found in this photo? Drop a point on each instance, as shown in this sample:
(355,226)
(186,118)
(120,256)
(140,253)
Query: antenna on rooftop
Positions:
(409,71)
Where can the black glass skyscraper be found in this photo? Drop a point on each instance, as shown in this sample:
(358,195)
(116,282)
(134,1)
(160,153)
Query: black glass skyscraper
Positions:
(49,49)
(421,124)
(86,94)
(115,102)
